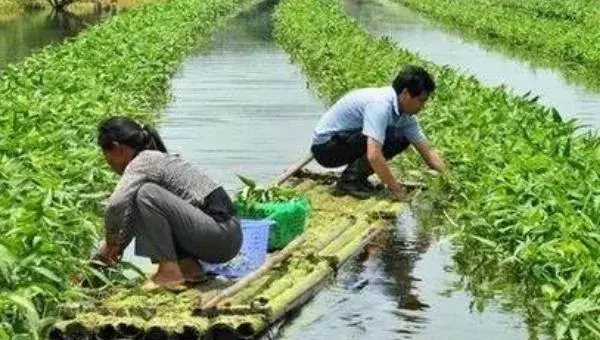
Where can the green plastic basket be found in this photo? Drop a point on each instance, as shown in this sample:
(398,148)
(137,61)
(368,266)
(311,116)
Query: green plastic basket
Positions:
(290,219)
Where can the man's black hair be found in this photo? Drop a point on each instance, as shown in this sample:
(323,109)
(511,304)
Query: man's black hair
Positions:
(415,79)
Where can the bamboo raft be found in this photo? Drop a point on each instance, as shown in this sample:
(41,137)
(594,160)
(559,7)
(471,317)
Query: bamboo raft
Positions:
(337,230)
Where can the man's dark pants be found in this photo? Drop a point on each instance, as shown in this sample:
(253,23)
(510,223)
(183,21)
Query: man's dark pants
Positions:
(350,148)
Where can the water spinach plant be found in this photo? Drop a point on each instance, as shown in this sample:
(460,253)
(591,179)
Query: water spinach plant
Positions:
(52,177)
(561,34)
(523,200)
(252,192)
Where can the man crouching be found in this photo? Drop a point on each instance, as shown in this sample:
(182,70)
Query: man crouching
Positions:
(368,126)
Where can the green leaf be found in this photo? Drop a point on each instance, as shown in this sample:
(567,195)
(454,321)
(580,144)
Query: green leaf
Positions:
(485,241)
(574,332)
(556,116)
(247,181)
(27,308)
(548,290)
(593,326)
(7,262)
(128,265)
(47,274)
(45,325)
(101,276)
(560,330)
(581,306)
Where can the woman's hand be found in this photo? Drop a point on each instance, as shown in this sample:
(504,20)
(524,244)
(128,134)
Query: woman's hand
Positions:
(109,254)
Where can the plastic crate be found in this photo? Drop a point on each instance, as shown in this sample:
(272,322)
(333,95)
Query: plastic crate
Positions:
(289,217)
(252,253)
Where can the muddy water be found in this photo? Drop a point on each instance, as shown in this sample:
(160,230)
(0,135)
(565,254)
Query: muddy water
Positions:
(410,30)
(243,108)
(23,36)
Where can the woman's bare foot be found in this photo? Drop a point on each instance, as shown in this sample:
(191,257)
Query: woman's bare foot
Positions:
(168,276)
(191,270)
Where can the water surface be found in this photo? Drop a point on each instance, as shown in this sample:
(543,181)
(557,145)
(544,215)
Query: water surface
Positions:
(412,31)
(241,107)
(21,37)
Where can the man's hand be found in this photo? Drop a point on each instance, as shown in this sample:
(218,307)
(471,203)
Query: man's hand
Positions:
(109,254)
(380,167)
(400,195)
(378,162)
(430,156)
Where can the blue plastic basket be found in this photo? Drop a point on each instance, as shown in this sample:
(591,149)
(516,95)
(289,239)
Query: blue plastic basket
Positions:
(252,254)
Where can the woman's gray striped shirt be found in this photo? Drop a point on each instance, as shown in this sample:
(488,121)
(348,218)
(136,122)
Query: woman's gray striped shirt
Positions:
(170,172)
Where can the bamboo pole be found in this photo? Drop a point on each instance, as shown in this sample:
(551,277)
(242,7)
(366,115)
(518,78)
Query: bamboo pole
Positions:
(157,332)
(129,330)
(56,334)
(236,327)
(300,293)
(333,235)
(352,248)
(244,309)
(250,326)
(307,158)
(107,332)
(333,259)
(76,330)
(270,263)
(189,333)
(282,285)
(221,330)
(347,236)
(304,290)
(250,291)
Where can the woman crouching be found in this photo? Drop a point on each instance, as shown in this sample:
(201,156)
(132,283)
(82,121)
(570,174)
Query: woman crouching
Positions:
(177,214)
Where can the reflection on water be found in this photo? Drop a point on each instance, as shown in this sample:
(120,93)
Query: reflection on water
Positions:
(21,37)
(413,32)
(399,293)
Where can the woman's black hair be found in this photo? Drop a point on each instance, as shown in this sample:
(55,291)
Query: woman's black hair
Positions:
(127,131)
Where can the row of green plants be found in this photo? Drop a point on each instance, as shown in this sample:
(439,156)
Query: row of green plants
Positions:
(53,178)
(522,201)
(561,34)
(574,11)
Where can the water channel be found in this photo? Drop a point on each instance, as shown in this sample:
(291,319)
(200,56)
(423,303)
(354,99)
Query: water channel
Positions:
(241,107)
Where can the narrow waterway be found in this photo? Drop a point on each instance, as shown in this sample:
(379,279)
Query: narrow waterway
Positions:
(241,107)
(412,31)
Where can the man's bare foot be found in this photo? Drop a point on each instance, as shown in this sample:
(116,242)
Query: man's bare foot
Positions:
(191,270)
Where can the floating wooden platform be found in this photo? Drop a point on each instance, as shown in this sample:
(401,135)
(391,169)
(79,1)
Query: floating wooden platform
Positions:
(339,228)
